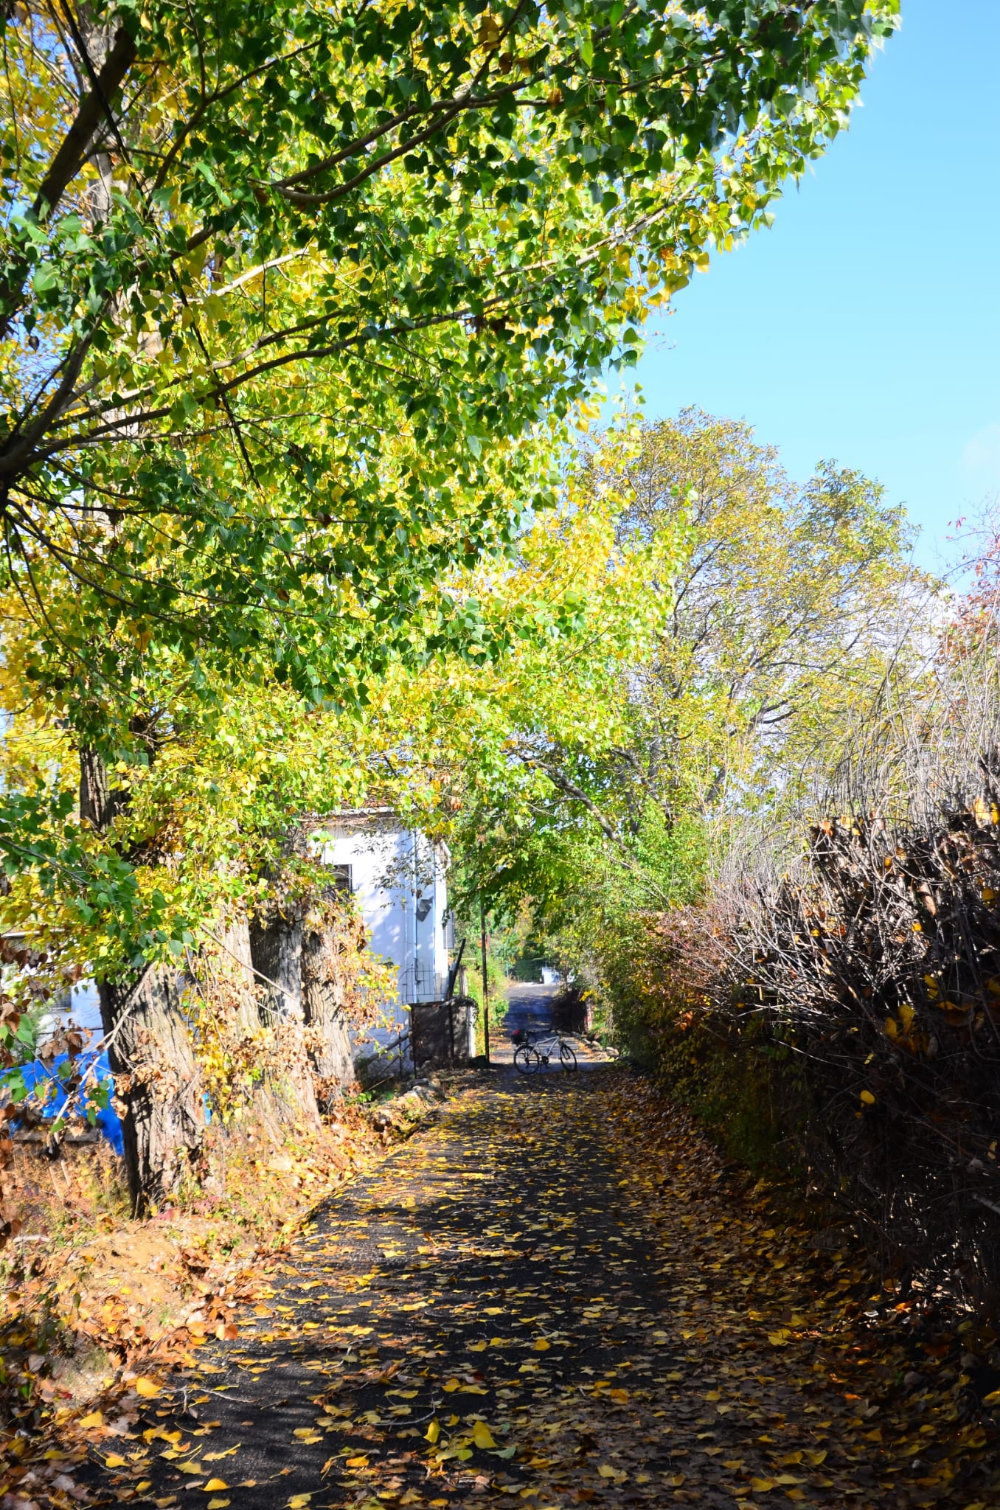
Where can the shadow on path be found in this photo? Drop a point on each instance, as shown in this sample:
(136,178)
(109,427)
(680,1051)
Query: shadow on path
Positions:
(489,1318)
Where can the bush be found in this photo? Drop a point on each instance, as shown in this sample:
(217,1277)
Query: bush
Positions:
(842,1021)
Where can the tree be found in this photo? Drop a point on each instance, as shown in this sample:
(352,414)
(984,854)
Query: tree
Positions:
(621,629)
(277,280)
(198,907)
(295,305)
(786,614)
(770,613)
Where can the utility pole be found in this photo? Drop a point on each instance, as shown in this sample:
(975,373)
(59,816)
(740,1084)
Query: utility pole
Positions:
(486,987)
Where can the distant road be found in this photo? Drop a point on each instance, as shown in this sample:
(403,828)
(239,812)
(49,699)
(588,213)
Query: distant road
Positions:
(528,1006)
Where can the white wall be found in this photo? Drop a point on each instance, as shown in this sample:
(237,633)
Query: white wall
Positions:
(398,878)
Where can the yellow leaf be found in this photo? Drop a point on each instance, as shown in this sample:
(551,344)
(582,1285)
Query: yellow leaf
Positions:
(146,1388)
(299,1501)
(215,1484)
(992,1397)
(481,1435)
(450,1386)
(433,1431)
(490,33)
(868,1098)
(94,1419)
(540,1345)
(217,1504)
(762,1485)
(618,1395)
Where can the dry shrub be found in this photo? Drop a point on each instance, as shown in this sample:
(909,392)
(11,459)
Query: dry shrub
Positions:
(675,993)
(876,962)
(838,1017)
(834,1009)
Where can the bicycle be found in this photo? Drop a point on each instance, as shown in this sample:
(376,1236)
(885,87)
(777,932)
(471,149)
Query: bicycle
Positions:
(533,1052)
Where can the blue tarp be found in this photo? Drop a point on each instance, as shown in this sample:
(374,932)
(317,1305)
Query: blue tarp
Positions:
(59,1102)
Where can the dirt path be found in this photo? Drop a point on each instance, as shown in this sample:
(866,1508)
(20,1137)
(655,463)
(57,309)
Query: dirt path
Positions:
(525,1306)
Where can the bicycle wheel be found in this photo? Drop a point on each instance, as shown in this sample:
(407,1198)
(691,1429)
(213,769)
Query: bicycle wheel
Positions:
(525,1058)
(567,1058)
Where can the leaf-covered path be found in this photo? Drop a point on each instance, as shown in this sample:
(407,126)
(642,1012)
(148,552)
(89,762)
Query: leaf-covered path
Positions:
(547,1299)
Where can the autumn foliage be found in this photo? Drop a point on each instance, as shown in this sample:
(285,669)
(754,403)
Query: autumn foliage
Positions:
(843,1020)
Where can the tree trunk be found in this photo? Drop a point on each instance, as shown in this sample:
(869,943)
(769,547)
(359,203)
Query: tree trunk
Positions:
(158,1086)
(158,1089)
(97,801)
(236,951)
(276,954)
(324,999)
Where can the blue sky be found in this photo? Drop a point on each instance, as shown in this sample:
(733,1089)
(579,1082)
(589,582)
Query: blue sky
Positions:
(864,325)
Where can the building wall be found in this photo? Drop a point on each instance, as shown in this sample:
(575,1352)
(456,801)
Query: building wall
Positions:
(399,885)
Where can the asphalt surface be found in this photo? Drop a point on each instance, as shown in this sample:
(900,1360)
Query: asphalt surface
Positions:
(528,1006)
(465,1279)
(523,1306)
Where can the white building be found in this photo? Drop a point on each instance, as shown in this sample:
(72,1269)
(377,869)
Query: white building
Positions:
(398,878)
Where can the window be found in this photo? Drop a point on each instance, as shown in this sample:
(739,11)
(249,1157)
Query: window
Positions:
(342,879)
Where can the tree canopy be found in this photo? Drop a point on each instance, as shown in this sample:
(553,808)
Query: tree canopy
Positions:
(752,618)
(295,298)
